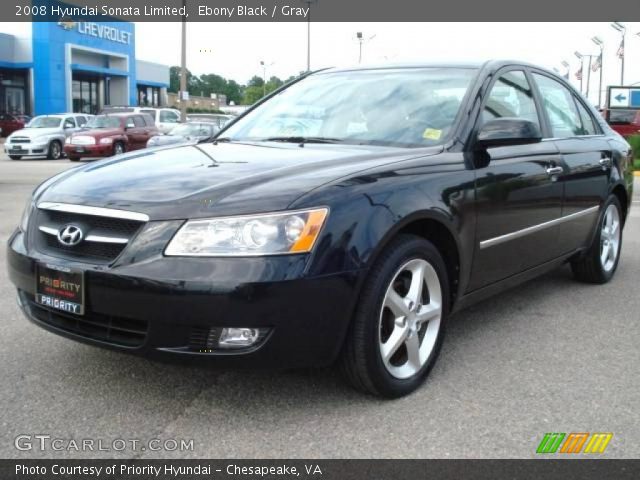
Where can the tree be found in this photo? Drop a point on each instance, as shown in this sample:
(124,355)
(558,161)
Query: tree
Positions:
(174,79)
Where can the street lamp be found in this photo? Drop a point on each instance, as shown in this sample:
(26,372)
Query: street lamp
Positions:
(361,40)
(566,65)
(623,30)
(183,68)
(580,57)
(309,3)
(264,76)
(600,44)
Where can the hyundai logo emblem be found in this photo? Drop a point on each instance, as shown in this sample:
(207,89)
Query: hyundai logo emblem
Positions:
(70,235)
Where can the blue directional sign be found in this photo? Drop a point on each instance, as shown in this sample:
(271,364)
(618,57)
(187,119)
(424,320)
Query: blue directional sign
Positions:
(635,98)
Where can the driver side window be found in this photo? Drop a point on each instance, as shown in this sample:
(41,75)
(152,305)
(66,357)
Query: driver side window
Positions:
(510,96)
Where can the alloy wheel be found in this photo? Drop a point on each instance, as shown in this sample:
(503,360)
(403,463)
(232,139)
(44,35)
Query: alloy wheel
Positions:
(610,238)
(410,318)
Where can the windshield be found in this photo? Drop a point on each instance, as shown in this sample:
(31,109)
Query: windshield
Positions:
(103,122)
(191,129)
(400,107)
(45,122)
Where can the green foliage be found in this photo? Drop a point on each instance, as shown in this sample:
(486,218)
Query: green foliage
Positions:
(636,164)
(206,84)
(203,110)
(634,141)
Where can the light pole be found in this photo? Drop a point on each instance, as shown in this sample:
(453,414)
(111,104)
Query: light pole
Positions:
(183,68)
(581,58)
(623,30)
(361,40)
(600,44)
(309,3)
(566,65)
(264,76)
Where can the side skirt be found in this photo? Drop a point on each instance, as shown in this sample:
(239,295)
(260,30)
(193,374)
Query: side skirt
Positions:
(512,281)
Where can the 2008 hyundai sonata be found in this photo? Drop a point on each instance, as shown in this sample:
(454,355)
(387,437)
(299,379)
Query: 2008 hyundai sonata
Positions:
(342,219)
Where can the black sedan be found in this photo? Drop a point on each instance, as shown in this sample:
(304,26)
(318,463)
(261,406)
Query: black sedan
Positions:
(343,219)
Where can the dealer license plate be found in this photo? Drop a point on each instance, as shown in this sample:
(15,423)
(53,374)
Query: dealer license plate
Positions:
(60,288)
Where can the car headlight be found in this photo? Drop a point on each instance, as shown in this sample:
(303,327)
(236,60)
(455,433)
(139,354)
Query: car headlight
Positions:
(106,141)
(250,235)
(26,213)
(67,140)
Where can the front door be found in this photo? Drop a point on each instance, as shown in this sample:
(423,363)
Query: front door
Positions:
(518,196)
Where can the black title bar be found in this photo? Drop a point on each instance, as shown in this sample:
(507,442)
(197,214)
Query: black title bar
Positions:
(318,10)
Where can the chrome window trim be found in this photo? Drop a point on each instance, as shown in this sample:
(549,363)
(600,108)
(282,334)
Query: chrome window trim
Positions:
(535,228)
(96,211)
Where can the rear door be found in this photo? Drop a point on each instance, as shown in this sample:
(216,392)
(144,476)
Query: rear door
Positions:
(518,200)
(586,159)
(135,132)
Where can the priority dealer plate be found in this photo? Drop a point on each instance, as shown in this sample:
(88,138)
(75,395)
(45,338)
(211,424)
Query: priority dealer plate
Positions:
(60,288)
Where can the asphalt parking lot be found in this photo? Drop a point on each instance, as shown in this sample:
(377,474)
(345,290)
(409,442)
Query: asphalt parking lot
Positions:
(550,356)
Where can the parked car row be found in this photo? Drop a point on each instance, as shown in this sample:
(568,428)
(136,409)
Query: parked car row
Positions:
(114,131)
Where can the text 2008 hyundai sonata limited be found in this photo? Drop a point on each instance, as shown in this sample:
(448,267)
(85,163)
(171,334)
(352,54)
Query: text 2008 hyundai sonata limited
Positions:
(344,218)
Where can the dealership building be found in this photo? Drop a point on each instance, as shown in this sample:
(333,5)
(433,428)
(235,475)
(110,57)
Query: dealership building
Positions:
(69,66)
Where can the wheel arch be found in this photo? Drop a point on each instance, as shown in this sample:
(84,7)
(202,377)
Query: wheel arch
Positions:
(621,193)
(436,228)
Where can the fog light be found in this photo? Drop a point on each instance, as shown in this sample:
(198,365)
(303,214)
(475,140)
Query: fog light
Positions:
(238,337)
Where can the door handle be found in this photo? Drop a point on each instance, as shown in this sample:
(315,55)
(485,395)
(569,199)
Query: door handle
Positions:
(555,170)
(605,162)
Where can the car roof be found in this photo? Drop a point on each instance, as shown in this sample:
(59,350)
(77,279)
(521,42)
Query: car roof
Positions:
(493,64)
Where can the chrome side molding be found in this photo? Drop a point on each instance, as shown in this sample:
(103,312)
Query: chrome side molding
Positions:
(535,228)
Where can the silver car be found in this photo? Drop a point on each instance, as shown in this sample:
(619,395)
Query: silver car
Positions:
(44,135)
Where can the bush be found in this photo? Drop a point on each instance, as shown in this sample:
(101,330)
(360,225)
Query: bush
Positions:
(636,164)
(203,110)
(634,141)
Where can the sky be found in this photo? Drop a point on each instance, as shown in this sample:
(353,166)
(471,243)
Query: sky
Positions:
(234,50)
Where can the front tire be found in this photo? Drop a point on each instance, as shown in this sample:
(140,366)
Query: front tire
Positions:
(398,326)
(118,148)
(600,262)
(55,150)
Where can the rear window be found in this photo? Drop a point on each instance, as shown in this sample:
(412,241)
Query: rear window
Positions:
(138,122)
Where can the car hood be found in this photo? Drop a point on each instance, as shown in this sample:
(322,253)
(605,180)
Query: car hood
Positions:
(35,132)
(215,179)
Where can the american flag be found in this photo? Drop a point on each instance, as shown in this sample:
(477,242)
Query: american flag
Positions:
(620,52)
(579,74)
(597,64)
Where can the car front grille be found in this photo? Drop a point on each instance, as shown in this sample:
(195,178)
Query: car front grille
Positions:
(119,331)
(20,140)
(104,238)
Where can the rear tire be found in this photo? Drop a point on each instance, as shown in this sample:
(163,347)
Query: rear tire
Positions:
(15,157)
(599,263)
(55,150)
(398,327)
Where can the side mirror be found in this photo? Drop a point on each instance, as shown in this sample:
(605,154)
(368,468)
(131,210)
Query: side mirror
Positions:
(504,132)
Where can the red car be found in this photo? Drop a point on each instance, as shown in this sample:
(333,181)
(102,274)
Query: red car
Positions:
(10,123)
(113,134)
(624,121)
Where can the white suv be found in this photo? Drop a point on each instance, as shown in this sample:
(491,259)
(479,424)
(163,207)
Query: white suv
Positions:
(44,135)
(165,118)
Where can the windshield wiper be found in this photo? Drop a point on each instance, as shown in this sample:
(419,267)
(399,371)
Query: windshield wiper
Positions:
(302,140)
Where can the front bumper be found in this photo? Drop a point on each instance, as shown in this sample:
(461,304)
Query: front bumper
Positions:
(172,302)
(26,149)
(80,151)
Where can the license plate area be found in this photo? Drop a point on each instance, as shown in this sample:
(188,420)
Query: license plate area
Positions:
(60,288)
(80,149)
